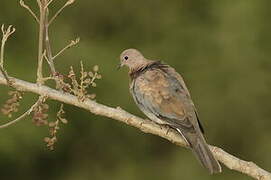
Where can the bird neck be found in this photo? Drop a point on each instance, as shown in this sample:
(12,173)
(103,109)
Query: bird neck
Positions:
(137,70)
(139,64)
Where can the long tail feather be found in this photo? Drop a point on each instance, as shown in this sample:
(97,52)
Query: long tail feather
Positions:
(202,152)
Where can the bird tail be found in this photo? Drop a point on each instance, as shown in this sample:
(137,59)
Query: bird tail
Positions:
(202,152)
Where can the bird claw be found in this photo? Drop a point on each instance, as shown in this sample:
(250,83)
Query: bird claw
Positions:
(141,124)
(128,121)
(168,129)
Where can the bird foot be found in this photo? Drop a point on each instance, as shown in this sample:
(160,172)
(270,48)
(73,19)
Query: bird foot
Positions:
(168,129)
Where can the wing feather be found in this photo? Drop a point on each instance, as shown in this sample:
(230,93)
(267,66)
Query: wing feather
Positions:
(158,93)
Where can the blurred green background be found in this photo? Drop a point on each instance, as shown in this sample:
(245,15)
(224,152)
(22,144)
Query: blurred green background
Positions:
(222,48)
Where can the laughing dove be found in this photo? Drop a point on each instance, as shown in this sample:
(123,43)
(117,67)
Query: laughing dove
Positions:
(161,94)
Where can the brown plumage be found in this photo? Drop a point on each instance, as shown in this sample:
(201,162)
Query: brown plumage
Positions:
(161,94)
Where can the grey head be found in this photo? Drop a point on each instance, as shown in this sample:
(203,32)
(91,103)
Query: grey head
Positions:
(133,59)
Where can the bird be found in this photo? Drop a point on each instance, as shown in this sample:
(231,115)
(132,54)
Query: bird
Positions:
(161,94)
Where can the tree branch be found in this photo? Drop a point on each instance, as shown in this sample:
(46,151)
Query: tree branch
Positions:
(39,101)
(69,2)
(42,5)
(232,162)
(48,44)
(5,35)
(71,44)
(29,10)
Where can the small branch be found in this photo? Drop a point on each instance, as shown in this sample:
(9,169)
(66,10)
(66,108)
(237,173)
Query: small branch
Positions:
(69,2)
(49,56)
(48,45)
(40,100)
(72,43)
(48,3)
(39,3)
(244,167)
(5,35)
(29,10)
(49,78)
(42,4)
(5,75)
(144,125)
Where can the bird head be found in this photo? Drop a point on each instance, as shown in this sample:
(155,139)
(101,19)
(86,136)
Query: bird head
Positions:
(132,58)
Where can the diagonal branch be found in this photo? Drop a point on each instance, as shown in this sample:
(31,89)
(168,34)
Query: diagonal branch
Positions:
(71,44)
(42,19)
(69,2)
(245,167)
(39,101)
(48,3)
(29,10)
(5,75)
(48,45)
(5,35)
(146,126)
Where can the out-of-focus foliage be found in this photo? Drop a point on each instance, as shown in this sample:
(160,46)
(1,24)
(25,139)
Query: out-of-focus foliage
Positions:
(222,48)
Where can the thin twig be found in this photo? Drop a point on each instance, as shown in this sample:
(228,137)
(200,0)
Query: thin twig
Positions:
(5,75)
(49,78)
(48,3)
(41,39)
(5,35)
(69,2)
(40,100)
(49,56)
(46,58)
(39,3)
(29,10)
(144,125)
(48,45)
(72,43)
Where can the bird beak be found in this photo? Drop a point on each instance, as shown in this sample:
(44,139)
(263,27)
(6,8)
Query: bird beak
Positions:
(119,66)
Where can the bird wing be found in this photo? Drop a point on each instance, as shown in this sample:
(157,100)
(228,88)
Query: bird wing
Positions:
(171,71)
(159,93)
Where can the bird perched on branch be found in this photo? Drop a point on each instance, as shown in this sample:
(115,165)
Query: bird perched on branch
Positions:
(161,94)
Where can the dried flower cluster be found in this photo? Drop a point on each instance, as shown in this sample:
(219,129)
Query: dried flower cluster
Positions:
(12,104)
(79,88)
(40,116)
(54,127)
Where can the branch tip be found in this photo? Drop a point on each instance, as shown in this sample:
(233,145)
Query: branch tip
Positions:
(8,31)
(5,35)
(69,2)
(72,43)
(48,3)
(29,10)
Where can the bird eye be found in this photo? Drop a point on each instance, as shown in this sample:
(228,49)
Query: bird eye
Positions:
(126,57)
